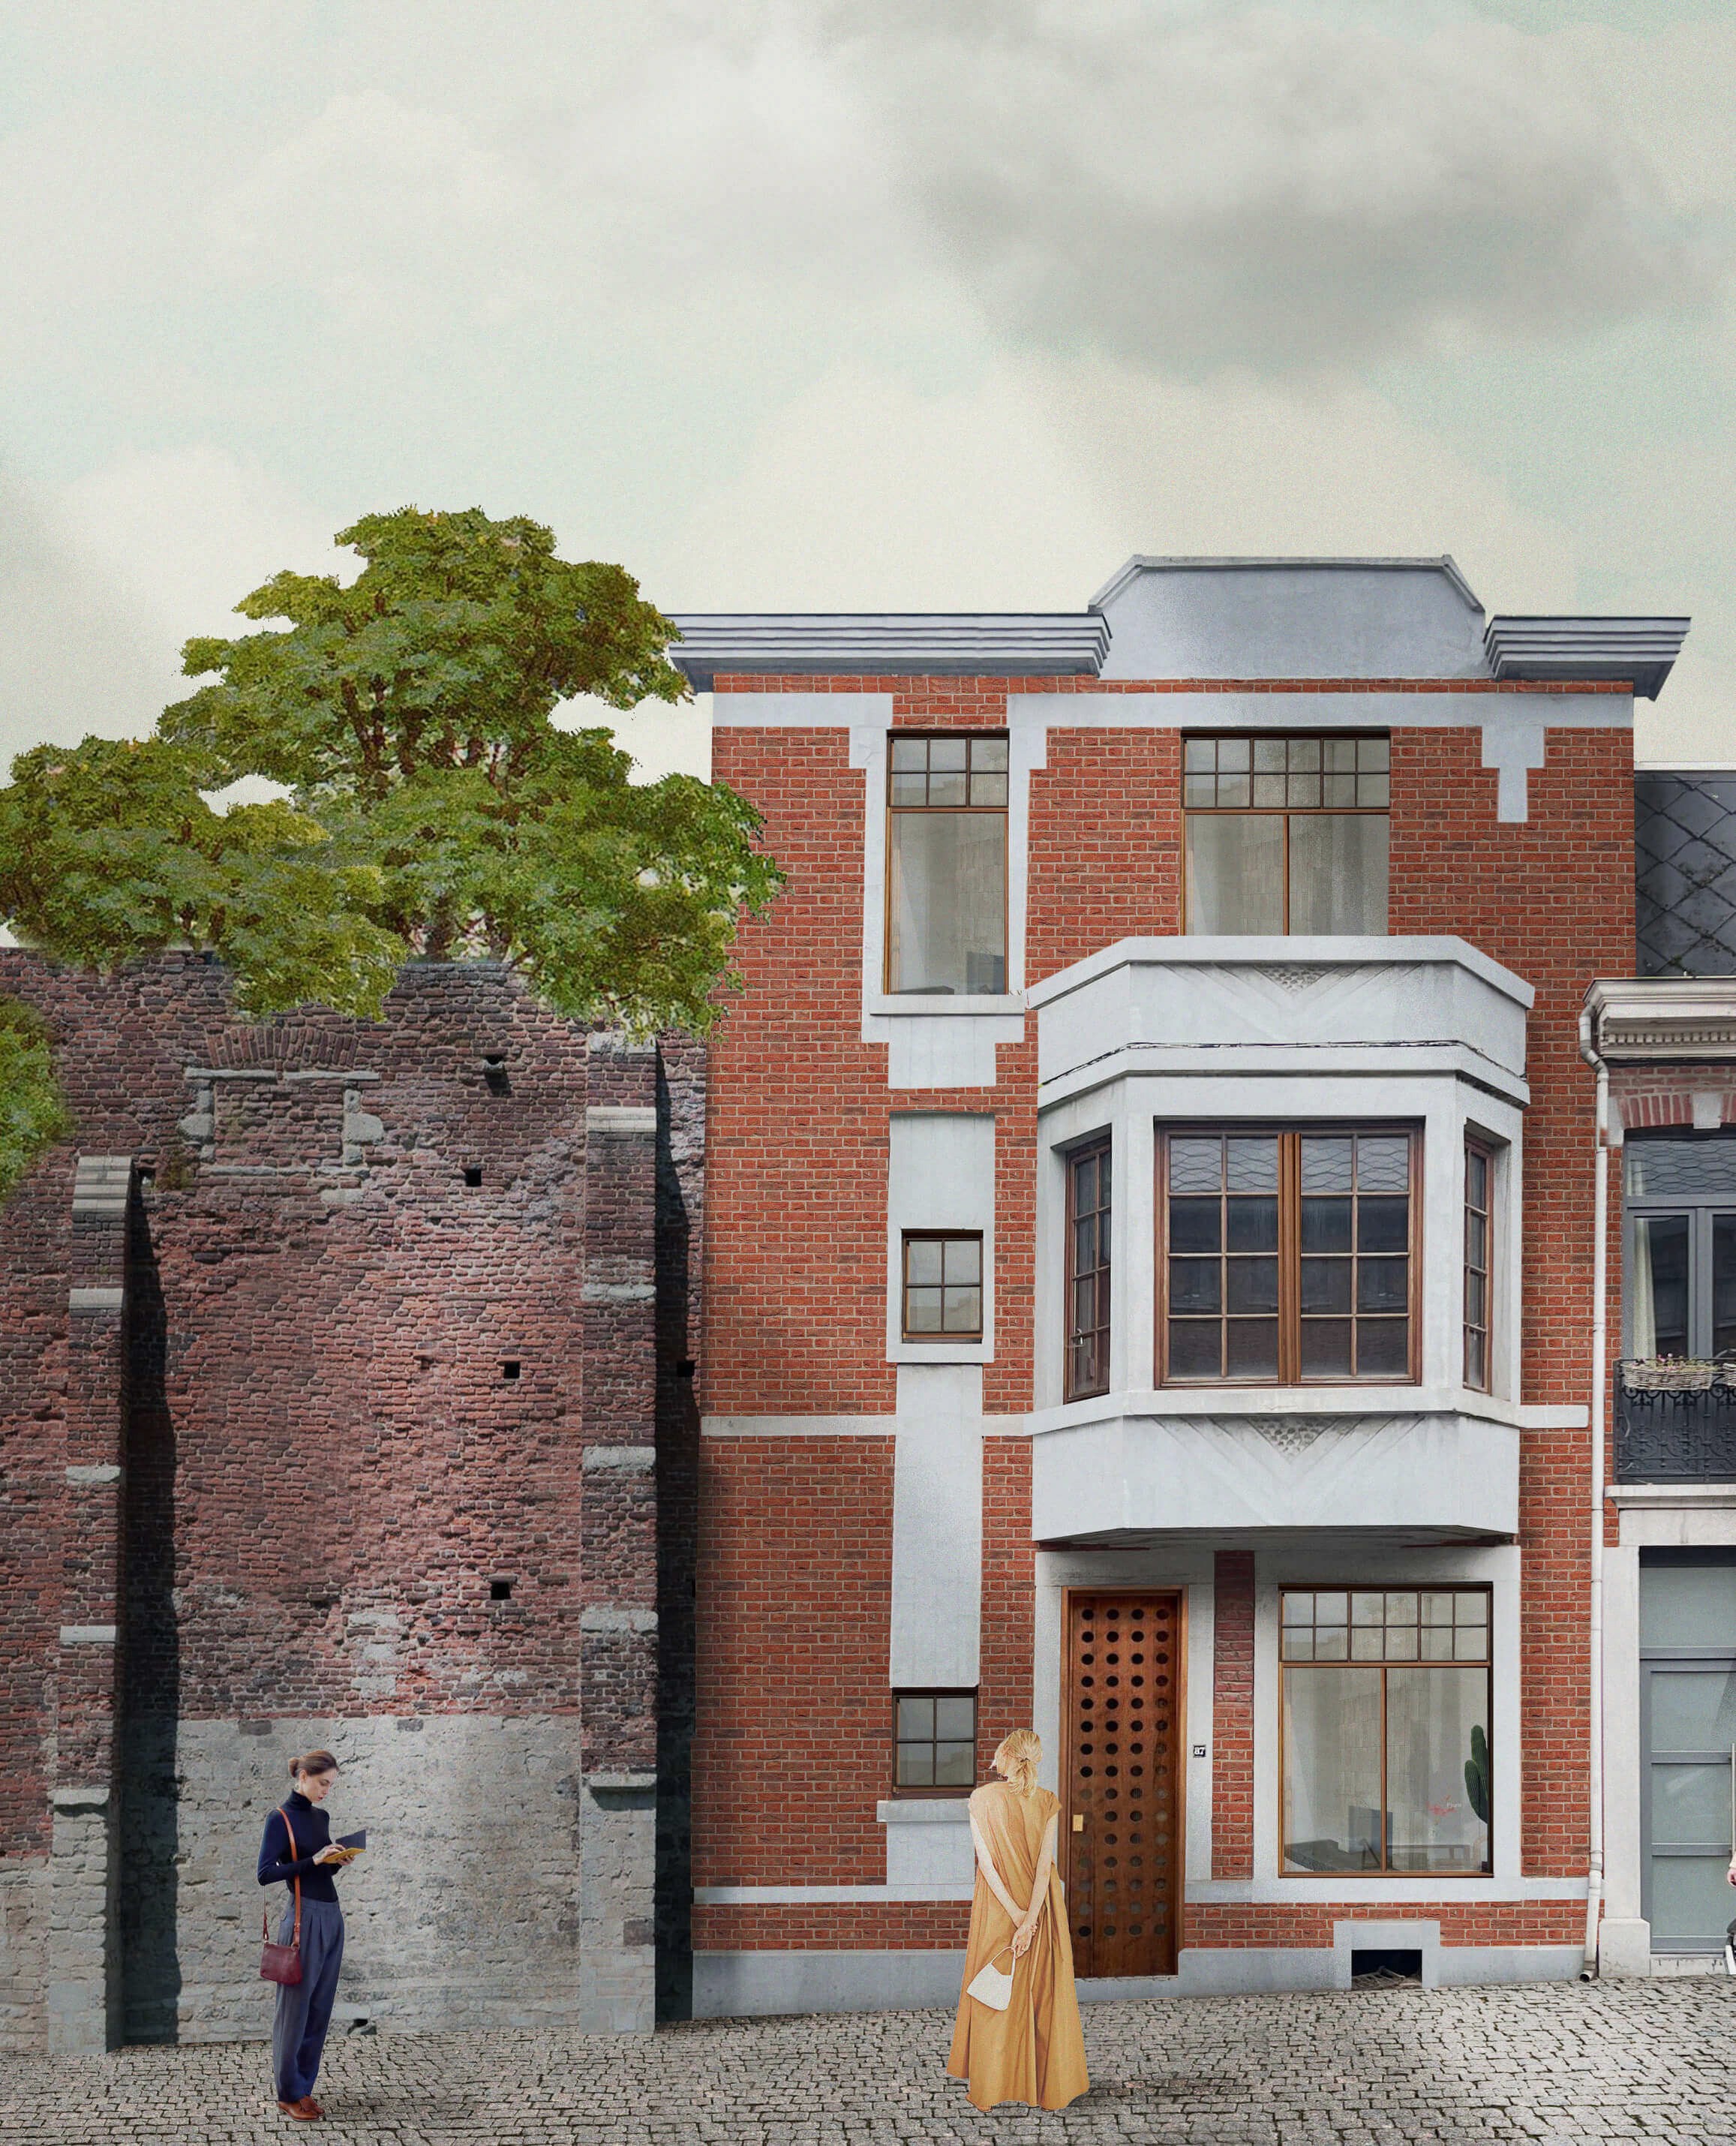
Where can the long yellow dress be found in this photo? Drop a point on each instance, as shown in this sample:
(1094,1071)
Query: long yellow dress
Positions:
(1033,2051)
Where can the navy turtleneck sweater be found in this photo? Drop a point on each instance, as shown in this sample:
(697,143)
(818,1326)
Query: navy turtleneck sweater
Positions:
(314,1831)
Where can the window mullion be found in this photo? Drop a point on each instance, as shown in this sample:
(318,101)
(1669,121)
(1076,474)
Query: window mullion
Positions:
(1700,1331)
(1289,1255)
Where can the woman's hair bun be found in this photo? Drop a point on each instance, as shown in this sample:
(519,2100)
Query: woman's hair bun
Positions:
(312,1762)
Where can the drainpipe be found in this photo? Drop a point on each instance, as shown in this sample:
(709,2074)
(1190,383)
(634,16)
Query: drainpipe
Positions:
(1599,1380)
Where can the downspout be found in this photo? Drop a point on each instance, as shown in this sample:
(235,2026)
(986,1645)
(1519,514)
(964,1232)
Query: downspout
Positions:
(1600,1379)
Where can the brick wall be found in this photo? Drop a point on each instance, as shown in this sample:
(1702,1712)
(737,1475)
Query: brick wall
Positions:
(369,1399)
(795,1321)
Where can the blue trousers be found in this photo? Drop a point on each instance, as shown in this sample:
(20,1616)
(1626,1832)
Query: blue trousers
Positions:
(304,2007)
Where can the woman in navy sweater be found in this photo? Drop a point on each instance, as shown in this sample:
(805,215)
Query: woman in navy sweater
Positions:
(298,1844)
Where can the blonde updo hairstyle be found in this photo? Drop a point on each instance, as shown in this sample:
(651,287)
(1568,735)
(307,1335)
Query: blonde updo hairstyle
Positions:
(1018,1757)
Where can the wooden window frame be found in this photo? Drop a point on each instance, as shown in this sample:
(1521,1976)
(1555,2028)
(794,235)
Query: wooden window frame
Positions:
(1286,812)
(917,1792)
(1486,1154)
(1488,1666)
(941,1334)
(1102,1277)
(1003,811)
(1289,1133)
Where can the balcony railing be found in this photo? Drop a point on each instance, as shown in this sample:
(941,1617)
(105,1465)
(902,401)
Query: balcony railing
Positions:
(1675,1424)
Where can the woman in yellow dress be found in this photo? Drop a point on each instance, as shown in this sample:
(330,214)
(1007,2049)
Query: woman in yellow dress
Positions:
(1033,2051)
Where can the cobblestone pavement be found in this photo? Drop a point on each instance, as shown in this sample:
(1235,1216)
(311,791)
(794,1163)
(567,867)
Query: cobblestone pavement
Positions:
(1651,2061)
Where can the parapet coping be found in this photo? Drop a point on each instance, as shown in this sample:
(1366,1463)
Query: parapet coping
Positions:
(1302,951)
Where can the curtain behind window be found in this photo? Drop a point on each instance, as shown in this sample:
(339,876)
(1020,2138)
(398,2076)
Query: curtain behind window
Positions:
(949,902)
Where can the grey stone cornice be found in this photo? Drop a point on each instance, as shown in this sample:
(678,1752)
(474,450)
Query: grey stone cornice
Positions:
(1637,1019)
(1639,649)
(888,644)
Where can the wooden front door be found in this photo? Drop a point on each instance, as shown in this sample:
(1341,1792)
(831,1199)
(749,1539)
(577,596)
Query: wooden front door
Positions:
(1122,1820)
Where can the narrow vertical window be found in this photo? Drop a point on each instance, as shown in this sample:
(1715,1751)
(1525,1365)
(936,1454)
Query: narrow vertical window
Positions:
(942,1285)
(1478,1184)
(946,865)
(1088,1231)
(1286,833)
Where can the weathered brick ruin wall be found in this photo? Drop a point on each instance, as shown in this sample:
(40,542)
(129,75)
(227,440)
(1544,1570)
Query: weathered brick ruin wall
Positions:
(386,1311)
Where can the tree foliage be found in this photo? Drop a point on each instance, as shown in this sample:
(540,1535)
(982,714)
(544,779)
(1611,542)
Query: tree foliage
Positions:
(435,810)
(33,1112)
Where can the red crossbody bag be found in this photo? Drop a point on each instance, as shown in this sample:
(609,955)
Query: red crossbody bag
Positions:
(282,1963)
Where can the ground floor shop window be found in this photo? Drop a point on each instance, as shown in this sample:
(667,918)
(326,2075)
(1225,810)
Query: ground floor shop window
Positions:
(1386,1762)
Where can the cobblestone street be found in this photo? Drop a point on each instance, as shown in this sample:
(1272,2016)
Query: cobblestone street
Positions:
(1652,2061)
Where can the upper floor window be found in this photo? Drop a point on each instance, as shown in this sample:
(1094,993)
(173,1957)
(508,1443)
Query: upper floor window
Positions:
(1681,1203)
(946,864)
(942,1285)
(1479,1182)
(1285,833)
(1088,1225)
(1288,1257)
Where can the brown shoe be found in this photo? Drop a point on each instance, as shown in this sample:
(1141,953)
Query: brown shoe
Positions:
(311,2106)
(307,2110)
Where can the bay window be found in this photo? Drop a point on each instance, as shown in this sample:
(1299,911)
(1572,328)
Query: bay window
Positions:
(1288,1257)
(1088,1269)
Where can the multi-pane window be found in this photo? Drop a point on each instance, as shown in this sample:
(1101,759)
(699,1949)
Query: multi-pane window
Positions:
(946,865)
(1285,833)
(1479,1177)
(1088,1227)
(942,1285)
(935,1741)
(1288,1257)
(1385,1730)
(1681,1207)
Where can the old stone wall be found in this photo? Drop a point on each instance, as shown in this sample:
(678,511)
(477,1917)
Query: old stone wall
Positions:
(384,1479)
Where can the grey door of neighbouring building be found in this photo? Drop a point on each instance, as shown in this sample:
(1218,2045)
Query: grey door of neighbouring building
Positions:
(1688,1730)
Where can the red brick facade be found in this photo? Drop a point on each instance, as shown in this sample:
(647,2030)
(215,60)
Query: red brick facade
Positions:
(796,1315)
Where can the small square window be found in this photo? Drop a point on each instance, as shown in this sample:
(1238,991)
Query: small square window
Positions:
(942,1285)
(934,1737)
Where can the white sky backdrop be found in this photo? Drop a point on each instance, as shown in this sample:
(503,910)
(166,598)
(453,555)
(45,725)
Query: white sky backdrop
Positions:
(861,304)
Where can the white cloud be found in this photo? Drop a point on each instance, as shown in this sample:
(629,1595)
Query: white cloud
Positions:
(1270,187)
(1029,488)
(186,533)
(75,655)
(102,579)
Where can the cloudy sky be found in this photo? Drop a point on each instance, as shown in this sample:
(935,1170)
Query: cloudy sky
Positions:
(919,304)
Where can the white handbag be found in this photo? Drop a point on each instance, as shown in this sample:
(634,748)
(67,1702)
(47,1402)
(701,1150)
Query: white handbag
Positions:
(990,1986)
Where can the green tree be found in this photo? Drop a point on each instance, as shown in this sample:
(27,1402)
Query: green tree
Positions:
(33,1112)
(436,811)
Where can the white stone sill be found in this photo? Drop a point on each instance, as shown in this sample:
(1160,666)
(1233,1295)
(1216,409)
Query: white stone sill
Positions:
(946,1006)
(1667,1496)
(1336,1891)
(1213,1403)
(923,1810)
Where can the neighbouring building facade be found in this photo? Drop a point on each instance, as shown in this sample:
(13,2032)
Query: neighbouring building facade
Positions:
(1150,1261)
(1664,1041)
